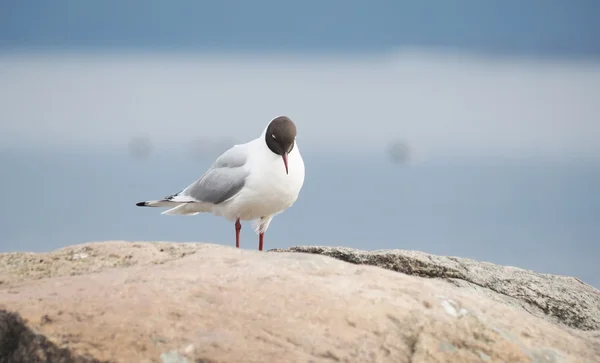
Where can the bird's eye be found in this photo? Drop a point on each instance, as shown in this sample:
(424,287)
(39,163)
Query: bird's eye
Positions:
(273,136)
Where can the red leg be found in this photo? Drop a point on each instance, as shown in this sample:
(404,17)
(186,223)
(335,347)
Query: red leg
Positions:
(261,239)
(238,228)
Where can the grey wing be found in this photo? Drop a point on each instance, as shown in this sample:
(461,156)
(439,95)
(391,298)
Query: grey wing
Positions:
(232,158)
(223,180)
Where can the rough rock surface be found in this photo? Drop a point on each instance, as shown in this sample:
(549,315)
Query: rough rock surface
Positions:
(175,303)
(18,344)
(560,299)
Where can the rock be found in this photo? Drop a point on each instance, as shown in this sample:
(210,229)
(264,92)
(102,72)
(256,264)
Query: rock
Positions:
(559,299)
(161,302)
(18,344)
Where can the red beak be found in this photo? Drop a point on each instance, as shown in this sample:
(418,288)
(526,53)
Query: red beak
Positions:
(285,162)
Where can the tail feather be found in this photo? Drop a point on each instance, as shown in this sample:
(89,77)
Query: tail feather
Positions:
(178,205)
(188,209)
(170,201)
(158,203)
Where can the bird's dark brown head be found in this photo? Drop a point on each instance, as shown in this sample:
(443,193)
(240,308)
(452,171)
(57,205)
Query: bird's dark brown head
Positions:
(281,137)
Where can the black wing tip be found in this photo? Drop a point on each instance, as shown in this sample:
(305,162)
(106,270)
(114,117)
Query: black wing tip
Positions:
(141,204)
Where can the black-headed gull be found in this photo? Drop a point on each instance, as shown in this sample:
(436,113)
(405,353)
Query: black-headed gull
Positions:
(247,182)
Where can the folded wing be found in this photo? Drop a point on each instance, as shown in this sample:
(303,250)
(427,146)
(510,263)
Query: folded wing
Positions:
(222,181)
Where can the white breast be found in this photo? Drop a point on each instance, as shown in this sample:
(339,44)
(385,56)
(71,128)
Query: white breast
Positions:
(268,189)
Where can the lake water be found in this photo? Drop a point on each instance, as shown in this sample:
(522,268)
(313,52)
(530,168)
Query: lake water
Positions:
(535,215)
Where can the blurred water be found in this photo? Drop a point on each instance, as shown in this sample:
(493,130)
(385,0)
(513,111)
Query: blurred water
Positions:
(535,215)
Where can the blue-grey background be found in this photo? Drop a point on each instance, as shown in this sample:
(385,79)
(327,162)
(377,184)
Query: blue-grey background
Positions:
(493,107)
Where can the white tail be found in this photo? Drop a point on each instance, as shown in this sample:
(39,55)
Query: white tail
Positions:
(157,203)
(188,209)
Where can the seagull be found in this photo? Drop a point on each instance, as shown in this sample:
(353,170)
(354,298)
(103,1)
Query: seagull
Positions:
(252,181)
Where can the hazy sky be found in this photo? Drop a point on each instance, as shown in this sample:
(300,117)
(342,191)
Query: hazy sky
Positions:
(448,78)
(442,104)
